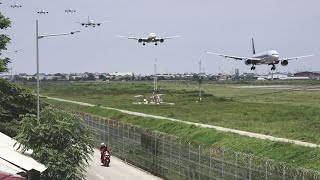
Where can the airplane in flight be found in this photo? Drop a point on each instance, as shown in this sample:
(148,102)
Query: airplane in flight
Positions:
(269,57)
(151,38)
(70,10)
(42,12)
(91,22)
(16,5)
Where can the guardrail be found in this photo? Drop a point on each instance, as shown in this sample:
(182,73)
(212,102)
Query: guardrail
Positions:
(173,158)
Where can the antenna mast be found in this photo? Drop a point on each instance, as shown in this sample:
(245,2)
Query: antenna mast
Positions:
(200,80)
(155,78)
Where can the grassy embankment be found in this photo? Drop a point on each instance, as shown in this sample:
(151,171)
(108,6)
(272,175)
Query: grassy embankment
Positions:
(281,152)
(282,113)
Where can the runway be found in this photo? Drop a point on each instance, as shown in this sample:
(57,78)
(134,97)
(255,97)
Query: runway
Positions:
(283,87)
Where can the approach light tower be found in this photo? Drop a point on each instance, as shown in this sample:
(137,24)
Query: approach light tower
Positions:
(200,98)
(155,78)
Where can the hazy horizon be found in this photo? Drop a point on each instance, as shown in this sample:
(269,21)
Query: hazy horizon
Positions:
(290,26)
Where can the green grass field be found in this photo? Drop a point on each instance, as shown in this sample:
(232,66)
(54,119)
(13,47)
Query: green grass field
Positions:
(280,113)
(294,155)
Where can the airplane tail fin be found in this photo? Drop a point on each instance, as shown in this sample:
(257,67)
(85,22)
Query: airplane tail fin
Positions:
(253,48)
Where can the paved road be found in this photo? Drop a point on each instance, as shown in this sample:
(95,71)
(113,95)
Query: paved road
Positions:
(244,133)
(117,170)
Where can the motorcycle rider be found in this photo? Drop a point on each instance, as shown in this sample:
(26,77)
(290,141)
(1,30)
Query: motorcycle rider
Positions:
(103,149)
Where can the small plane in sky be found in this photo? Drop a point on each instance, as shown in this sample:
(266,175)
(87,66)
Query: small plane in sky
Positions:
(151,38)
(91,22)
(70,10)
(42,12)
(16,5)
(269,57)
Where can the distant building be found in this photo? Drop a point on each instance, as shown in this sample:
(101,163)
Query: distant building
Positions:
(311,75)
(277,76)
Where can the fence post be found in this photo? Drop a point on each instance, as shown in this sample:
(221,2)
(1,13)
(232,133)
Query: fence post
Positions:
(210,159)
(222,165)
(250,167)
(199,161)
(134,139)
(266,169)
(100,127)
(122,139)
(163,156)
(236,167)
(180,159)
(108,127)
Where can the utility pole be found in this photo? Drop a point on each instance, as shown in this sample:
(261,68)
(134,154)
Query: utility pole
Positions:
(200,98)
(11,74)
(155,78)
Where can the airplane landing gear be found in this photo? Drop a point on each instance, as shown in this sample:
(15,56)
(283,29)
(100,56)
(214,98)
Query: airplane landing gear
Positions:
(156,44)
(253,68)
(144,44)
(273,67)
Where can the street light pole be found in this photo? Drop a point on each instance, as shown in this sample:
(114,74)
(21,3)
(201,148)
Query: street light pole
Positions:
(37,51)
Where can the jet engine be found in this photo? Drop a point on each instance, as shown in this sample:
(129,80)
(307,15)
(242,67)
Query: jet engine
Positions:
(98,24)
(161,40)
(248,62)
(140,40)
(284,62)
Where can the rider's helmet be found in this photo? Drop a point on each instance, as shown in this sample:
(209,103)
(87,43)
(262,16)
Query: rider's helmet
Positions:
(103,144)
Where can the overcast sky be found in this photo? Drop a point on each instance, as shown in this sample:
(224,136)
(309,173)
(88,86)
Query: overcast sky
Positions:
(226,26)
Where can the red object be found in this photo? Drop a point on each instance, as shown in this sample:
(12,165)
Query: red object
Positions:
(104,149)
(105,160)
(7,176)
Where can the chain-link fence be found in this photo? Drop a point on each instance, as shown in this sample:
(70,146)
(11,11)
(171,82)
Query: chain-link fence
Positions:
(173,158)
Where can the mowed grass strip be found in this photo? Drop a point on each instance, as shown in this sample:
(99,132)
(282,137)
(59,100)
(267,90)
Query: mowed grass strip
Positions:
(300,156)
(288,114)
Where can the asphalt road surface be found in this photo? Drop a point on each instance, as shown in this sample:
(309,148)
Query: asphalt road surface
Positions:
(117,170)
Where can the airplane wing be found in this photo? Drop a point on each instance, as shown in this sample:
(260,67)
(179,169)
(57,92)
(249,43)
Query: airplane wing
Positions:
(170,37)
(134,38)
(234,57)
(102,22)
(295,58)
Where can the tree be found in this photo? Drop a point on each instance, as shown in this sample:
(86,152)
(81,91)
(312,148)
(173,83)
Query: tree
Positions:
(4,40)
(60,141)
(91,77)
(15,101)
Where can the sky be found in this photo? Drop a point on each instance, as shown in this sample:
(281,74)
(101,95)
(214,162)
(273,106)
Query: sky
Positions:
(290,27)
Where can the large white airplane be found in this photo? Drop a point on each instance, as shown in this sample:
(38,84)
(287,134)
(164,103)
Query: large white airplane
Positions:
(91,22)
(151,38)
(268,57)
(16,5)
(70,10)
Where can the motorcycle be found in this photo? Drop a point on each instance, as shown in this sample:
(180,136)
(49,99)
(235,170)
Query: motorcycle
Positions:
(105,159)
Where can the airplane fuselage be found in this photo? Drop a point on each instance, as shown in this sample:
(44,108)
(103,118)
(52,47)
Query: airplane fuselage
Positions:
(268,57)
(151,37)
